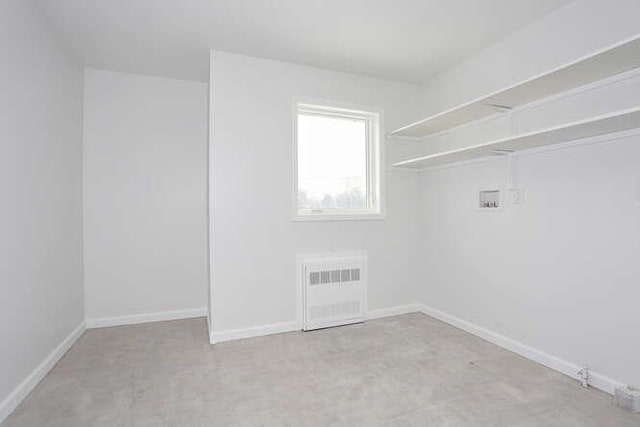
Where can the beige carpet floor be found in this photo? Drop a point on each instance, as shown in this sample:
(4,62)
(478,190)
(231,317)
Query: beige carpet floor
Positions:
(408,370)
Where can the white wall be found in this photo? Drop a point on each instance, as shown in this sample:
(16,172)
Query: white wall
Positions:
(559,272)
(567,34)
(41,295)
(255,240)
(145,238)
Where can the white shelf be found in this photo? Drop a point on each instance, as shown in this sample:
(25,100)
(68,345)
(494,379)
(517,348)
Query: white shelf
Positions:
(608,62)
(599,125)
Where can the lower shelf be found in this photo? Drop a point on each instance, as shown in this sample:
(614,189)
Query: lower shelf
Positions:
(599,125)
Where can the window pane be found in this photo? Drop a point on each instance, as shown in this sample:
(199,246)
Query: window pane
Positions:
(332,162)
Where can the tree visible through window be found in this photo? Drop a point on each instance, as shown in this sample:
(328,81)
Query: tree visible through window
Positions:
(337,162)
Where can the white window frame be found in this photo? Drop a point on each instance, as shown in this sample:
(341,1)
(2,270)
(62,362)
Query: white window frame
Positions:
(375,160)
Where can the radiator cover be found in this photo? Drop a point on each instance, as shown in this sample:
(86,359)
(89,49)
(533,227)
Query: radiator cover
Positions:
(333,290)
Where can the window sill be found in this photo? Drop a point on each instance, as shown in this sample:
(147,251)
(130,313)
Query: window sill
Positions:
(339,217)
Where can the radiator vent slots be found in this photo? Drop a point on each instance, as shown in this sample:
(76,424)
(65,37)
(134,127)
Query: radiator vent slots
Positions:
(334,276)
(334,290)
(333,310)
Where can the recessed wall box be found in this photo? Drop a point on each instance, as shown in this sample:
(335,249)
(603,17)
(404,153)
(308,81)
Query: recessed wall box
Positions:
(490,199)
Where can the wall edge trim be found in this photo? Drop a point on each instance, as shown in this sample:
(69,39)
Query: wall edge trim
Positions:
(597,380)
(134,319)
(294,325)
(11,402)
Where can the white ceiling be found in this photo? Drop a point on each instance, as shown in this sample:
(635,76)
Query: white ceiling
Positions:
(403,40)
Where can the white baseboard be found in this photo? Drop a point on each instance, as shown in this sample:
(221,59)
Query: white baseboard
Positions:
(13,400)
(394,311)
(256,331)
(597,380)
(134,319)
(278,328)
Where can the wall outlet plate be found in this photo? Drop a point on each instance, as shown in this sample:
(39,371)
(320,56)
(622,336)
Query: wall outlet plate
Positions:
(627,398)
(517,196)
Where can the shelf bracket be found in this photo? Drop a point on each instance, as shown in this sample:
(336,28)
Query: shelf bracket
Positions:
(501,152)
(512,172)
(512,166)
(500,108)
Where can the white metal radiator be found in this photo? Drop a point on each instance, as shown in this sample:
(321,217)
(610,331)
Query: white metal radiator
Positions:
(333,290)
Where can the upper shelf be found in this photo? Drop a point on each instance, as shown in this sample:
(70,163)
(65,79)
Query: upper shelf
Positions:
(599,125)
(604,63)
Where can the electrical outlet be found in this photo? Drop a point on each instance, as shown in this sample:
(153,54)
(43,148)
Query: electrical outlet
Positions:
(517,196)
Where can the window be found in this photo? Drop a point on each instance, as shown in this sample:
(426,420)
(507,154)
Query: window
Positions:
(338,164)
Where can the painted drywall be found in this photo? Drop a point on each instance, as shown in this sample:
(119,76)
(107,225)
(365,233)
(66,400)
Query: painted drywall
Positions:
(41,294)
(567,34)
(403,42)
(145,236)
(557,273)
(255,241)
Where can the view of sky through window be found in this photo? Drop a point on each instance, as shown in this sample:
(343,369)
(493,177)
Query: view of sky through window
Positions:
(332,162)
